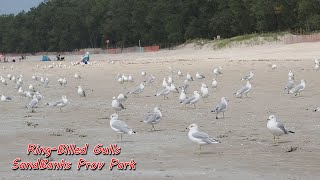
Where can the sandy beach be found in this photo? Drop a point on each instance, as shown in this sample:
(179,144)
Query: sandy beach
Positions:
(247,150)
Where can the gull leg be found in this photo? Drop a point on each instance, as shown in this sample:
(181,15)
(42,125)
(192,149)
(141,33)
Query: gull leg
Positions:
(121,137)
(199,149)
(274,139)
(60,109)
(153,127)
(217,116)
(223,115)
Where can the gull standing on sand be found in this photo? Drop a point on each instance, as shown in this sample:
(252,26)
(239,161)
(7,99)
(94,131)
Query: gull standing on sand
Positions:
(299,88)
(164,92)
(192,100)
(217,71)
(130,78)
(59,104)
(214,83)
(289,85)
(185,85)
(21,92)
(244,90)
(199,76)
(120,126)
(116,105)
(290,74)
(204,91)
(221,107)
(151,79)
(34,78)
(143,73)
(5,98)
(316,67)
(137,90)
(173,89)
(31,88)
(33,103)
(189,77)
(180,74)
(122,98)
(276,128)
(248,77)
(182,96)
(81,92)
(200,138)
(170,81)
(164,83)
(77,76)
(154,117)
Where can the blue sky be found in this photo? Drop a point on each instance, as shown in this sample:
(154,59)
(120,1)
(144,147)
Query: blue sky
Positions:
(16,6)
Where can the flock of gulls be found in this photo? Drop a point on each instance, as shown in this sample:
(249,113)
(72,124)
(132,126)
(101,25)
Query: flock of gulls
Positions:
(33,95)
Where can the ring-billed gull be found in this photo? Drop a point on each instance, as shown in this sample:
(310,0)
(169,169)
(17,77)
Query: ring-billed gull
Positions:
(221,107)
(200,138)
(200,76)
(153,117)
(185,85)
(34,77)
(33,103)
(120,126)
(249,76)
(276,128)
(122,98)
(204,90)
(244,90)
(151,79)
(130,78)
(214,83)
(290,74)
(137,90)
(180,74)
(290,84)
(316,67)
(116,105)
(217,71)
(173,89)
(31,88)
(299,88)
(189,77)
(76,75)
(164,92)
(143,73)
(59,104)
(193,99)
(81,92)
(21,92)
(164,83)
(170,80)
(182,96)
(5,98)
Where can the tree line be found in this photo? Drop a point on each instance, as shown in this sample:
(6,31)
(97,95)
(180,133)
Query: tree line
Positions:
(66,25)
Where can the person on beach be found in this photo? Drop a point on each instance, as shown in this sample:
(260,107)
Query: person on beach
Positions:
(85,58)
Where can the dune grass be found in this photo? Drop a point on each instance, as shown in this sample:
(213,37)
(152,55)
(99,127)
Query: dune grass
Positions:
(248,40)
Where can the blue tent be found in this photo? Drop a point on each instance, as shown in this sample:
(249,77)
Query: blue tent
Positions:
(45,58)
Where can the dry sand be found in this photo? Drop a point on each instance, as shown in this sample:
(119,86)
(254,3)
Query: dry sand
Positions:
(246,152)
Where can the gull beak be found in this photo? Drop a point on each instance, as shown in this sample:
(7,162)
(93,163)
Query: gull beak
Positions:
(186,128)
(268,119)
